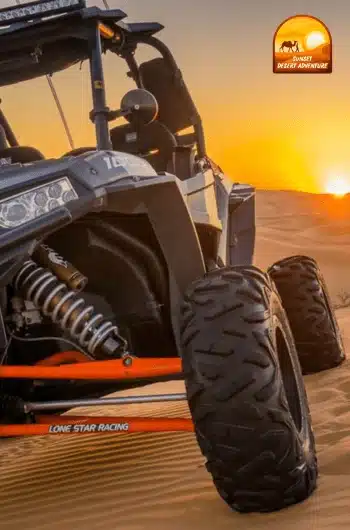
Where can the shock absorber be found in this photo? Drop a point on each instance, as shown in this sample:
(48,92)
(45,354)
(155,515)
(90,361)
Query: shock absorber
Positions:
(69,311)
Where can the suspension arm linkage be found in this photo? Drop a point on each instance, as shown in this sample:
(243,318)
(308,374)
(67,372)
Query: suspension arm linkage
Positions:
(126,368)
(122,400)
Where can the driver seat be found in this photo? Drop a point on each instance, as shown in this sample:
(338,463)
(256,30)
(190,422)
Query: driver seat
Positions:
(153,142)
(21,154)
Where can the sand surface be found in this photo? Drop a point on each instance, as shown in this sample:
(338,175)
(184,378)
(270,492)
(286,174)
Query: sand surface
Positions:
(151,481)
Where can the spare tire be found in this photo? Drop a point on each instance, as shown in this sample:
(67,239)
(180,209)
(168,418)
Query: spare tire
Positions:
(245,391)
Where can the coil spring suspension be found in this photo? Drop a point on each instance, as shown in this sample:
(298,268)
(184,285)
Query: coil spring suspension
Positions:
(69,311)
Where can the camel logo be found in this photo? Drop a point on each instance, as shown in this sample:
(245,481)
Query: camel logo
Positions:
(302,44)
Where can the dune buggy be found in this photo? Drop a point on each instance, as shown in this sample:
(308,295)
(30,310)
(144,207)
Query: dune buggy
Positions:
(137,253)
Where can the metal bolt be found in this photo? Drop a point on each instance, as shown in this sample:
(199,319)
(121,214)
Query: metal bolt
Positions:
(127,361)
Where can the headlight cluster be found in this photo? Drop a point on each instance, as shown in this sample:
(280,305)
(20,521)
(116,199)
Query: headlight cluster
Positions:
(26,206)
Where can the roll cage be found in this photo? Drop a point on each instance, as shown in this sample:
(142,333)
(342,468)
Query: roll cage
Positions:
(40,44)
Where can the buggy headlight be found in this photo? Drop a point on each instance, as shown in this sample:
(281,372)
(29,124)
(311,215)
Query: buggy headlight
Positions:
(23,207)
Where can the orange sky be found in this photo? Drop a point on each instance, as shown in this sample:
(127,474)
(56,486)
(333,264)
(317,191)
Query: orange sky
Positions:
(274,131)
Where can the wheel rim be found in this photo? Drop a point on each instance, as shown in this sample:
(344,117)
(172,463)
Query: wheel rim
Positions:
(289,379)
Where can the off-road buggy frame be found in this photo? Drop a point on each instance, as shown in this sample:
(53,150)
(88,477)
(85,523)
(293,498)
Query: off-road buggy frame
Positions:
(86,33)
(168,239)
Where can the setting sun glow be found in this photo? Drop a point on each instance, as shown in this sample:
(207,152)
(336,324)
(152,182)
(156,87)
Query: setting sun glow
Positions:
(338,186)
(314,39)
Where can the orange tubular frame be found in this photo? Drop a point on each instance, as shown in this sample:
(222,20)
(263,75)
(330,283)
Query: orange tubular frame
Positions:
(64,357)
(126,368)
(96,425)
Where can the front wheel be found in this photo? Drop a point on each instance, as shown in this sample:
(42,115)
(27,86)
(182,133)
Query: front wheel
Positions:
(245,391)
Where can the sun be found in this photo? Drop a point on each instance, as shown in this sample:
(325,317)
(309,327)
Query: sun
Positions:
(338,186)
(314,39)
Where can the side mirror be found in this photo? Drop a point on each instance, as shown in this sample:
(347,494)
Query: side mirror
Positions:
(139,106)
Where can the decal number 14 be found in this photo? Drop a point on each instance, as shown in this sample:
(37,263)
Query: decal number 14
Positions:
(112,162)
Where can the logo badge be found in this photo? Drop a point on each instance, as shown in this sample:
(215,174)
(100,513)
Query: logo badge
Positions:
(302,44)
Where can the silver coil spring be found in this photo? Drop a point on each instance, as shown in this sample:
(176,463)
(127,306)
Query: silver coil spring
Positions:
(63,306)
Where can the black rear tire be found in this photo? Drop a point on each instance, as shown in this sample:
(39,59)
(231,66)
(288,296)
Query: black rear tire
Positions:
(245,391)
(307,303)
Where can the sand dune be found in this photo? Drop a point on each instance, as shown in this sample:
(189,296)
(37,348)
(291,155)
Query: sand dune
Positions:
(148,481)
(302,223)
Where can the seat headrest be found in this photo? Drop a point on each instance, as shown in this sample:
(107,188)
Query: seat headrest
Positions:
(174,110)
